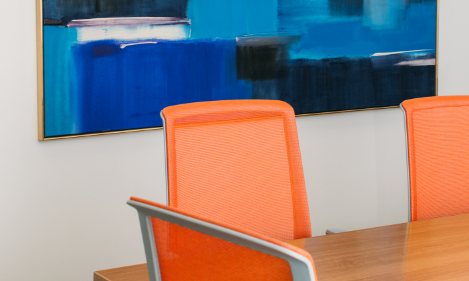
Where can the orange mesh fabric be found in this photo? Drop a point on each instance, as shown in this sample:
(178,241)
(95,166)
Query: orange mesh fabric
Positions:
(185,254)
(238,162)
(438,147)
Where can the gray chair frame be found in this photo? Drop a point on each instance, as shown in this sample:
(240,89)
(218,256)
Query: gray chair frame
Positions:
(409,202)
(301,267)
(165,156)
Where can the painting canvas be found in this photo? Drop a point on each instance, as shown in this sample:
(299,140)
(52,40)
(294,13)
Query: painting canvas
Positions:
(113,65)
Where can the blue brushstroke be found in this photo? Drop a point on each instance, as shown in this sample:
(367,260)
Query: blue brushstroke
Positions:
(127,88)
(294,14)
(59,82)
(380,15)
(231,18)
(327,37)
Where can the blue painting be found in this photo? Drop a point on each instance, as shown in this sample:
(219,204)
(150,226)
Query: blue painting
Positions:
(113,65)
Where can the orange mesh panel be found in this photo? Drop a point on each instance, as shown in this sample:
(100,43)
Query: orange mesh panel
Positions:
(438,147)
(238,162)
(185,254)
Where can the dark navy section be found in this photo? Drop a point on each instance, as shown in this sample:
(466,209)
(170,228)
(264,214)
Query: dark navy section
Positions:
(343,84)
(85,9)
(346,8)
(260,62)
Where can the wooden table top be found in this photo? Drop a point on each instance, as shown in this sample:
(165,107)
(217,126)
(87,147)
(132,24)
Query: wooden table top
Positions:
(436,249)
(137,272)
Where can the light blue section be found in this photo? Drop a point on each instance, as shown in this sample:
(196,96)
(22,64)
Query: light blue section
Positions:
(324,36)
(295,14)
(228,19)
(384,14)
(59,80)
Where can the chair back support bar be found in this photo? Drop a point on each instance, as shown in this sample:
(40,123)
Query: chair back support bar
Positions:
(299,261)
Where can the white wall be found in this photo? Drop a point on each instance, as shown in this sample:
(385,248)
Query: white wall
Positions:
(62,203)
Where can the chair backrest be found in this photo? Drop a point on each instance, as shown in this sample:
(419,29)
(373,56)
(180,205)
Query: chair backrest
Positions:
(438,155)
(180,246)
(238,162)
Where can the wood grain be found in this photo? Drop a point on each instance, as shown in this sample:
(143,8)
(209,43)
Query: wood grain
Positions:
(137,272)
(436,249)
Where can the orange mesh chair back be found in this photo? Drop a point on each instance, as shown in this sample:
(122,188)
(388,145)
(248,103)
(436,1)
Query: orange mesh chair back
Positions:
(238,162)
(438,155)
(180,246)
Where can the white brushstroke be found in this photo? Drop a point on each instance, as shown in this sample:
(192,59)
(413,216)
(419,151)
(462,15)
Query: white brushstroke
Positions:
(129,21)
(418,62)
(395,53)
(123,46)
(133,33)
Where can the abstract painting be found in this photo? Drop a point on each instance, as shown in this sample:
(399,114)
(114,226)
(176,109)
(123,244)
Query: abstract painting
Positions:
(112,65)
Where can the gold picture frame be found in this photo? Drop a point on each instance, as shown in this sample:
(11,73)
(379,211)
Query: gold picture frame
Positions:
(40,84)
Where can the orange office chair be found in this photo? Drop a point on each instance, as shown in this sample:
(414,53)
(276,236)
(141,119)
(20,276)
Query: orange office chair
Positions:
(180,246)
(438,155)
(238,162)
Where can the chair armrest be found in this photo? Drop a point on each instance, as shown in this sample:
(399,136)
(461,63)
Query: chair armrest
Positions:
(301,265)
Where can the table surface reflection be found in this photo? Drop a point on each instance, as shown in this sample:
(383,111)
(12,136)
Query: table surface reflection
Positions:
(436,249)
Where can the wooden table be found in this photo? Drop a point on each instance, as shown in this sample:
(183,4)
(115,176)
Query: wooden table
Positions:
(436,249)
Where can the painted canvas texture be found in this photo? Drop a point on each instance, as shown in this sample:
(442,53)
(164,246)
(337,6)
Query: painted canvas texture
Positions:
(112,65)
